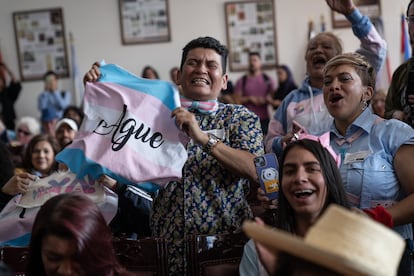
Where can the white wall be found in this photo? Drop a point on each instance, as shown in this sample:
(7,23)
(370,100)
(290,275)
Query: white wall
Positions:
(95,26)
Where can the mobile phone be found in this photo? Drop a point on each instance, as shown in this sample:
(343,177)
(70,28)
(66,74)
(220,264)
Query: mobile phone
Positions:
(267,169)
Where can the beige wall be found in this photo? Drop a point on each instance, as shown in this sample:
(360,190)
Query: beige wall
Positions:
(96,28)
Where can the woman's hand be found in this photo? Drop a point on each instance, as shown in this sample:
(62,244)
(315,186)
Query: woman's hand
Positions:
(267,257)
(344,7)
(18,184)
(107,181)
(265,201)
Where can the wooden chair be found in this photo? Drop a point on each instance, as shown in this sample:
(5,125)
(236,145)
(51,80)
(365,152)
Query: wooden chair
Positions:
(215,255)
(146,256)
(16,258)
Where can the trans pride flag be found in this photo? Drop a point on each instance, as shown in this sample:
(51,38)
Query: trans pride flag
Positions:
(18,216)
(128,133)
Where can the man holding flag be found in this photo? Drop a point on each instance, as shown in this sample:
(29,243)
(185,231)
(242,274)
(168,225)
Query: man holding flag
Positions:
(222,142)
(400,97)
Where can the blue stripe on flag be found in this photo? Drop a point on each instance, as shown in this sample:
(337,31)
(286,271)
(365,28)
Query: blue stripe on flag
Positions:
(406,40)
(163,90)
(79,164)
(20,241)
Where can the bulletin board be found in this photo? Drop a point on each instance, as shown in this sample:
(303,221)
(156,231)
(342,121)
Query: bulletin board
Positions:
(250,27)
(144,21)
(41,43)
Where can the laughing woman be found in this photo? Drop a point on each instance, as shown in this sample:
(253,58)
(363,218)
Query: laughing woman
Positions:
(40,155)
(39,161)
(310,181)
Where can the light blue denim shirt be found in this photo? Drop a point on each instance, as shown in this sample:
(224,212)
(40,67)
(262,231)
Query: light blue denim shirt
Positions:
(367,155)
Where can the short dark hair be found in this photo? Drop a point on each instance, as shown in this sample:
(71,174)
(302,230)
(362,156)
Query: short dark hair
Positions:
(255,54)
(75,216)
(149,68)
(208,43)
(75,109)
(50,73)
(331,175)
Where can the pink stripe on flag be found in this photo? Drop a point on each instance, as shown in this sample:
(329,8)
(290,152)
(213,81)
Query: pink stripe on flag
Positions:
(137,168)
(141,105)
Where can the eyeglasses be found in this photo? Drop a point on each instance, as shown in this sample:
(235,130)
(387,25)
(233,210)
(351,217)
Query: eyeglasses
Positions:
(410,19)
(26,133)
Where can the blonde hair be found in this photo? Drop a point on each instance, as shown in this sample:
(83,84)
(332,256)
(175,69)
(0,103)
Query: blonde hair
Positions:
(362,67)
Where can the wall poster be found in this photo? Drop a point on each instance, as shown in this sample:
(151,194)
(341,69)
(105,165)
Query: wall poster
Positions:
(250,27)
(371,8)
(41,43)
(144,21)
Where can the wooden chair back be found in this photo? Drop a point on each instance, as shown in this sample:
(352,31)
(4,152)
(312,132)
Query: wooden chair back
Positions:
(16,258)
(146,256)
(215,255)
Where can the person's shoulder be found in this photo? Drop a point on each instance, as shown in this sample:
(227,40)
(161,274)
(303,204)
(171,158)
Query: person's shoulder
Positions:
(237,110)
(233,107)
(296,95)
(392,133)
(396,123)
(392,127)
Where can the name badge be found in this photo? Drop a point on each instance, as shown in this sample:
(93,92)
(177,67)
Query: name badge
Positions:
(356,156)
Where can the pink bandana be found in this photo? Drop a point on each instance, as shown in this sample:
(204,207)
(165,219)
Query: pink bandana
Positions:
(205,107)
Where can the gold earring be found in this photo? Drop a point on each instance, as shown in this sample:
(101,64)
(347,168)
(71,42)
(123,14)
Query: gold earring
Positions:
(364,104)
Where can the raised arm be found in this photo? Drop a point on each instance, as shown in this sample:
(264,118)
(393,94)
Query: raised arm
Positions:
(373,46)
(238,161)
(403,212)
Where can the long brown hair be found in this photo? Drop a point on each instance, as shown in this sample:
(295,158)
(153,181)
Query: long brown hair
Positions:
(27,158)
(333,181)
(75,216)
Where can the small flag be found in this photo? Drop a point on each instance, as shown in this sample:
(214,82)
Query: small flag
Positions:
(311,30)
(405,41)
(323,24)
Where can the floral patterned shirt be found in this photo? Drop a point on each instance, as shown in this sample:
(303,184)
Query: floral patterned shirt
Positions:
(209,199)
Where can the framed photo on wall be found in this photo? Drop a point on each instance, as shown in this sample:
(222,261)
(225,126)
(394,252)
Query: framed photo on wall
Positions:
(41,43)
(371,8)
(144,21)
(250,27)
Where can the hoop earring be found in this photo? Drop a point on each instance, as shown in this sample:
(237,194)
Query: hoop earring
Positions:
(364,104)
